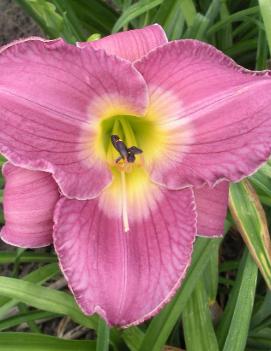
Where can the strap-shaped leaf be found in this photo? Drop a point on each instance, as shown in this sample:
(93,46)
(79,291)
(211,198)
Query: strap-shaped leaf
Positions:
(265,7)
(45,299)
(250,220)
(238,331)
(198,328)
(34,342)
(240,306)
(162,325)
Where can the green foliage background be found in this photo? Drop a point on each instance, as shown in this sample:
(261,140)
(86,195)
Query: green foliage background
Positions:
(225,302)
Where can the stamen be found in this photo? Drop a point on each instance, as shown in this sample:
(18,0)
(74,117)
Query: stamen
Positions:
(124,202)
(126,154)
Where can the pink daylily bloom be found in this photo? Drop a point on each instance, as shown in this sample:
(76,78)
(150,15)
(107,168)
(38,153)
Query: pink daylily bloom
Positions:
(142,137)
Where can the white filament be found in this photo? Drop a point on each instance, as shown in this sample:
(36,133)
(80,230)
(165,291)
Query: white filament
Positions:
(124,202)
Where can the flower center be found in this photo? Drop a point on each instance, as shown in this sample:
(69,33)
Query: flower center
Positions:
(131,135)
(128,145)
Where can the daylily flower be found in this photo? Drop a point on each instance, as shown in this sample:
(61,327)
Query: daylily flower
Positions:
(142,137)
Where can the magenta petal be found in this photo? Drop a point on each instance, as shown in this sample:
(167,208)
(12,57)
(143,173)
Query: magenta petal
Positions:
(218,123)
(211,205)
(130,45)
(125,277)
(52,94)
(29,202)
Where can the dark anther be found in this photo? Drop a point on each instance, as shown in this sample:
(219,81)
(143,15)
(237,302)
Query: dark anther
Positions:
(127,154)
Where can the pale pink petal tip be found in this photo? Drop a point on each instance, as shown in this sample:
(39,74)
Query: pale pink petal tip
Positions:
(211,205)
(29,202)
(217,114)
(130,45)
(125,277)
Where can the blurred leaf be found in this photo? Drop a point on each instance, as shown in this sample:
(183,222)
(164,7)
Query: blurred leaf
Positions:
(27,256)
(94,36)
(2,160)
(235,17)
(45,299)
(170,17)
(188,10)
(198,328)
(134,11)
(44,13)
(34,342)
(238,331)
(265,7)
(162,325)
(260,340)
(95,16)
(225,38)
(209,18)
(262,50)
(26,317)
(250,220)
(263,315)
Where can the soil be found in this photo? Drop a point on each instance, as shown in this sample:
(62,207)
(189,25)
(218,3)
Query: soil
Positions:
(15,23)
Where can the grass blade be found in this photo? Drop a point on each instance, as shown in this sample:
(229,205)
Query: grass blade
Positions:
(34,342)
(45,299)
(249,217)
(265,8)
(198,328)
(238,331)
(162,325)
(134,11)
(102,336)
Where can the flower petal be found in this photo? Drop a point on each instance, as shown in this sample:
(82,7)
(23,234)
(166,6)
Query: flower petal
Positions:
(51,96)
(130,45)
(215,114)
(211,205)
(125,277)
(29,202)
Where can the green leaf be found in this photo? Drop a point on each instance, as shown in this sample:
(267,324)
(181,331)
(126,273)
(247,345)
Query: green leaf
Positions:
(209,18)
(225,38)
(45,14)
(133,337)
(235,17)
(134,11)
(263,315)
(45,299)
(210,275)
(188,10)
(38,276)
(162,325)
(26,317)
(239,326)
(102,336)
(28,256)
(265,7)
(170,17)
(249,217)
(34,342)
(262,178)
(260,340)
(94,16)
(199,333)
(236,316)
